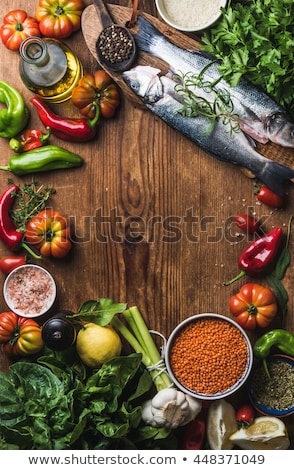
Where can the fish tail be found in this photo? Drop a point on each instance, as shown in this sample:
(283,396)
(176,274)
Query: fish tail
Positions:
(147,35)
(273,175)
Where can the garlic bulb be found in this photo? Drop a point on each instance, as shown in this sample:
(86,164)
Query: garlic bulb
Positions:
(170,408)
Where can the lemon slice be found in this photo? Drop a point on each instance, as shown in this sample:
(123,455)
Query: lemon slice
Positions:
(221,423)
(265,433)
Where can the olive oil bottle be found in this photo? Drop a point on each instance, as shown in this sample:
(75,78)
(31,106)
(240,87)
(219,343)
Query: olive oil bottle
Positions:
(49,68)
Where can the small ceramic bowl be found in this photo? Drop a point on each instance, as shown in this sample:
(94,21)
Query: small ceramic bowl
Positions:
(29,291)
(191,15)
(208,356)
(260,387)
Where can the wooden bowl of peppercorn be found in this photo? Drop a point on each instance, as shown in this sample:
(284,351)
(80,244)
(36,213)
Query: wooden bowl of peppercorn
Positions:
(208,356)
(271,386)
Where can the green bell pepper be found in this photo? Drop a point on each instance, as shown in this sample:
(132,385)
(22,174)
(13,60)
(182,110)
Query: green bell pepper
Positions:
(15,116)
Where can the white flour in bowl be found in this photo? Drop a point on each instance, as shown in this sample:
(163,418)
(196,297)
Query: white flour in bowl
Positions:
(191,13)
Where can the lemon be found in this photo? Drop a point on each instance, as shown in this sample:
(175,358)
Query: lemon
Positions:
(97,344)
(265,433)
(221,424)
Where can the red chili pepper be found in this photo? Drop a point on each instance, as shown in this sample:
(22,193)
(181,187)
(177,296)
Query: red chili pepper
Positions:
(69,129)
(194,435)
(29,140)
(259,255)
(268,197)
(9,263)
(247,223)
(8,232)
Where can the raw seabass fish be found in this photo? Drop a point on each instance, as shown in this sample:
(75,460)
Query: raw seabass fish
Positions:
(259,116)
(264,121)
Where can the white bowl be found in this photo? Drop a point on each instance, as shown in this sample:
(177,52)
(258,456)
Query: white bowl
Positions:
(194,364)
(180,16)
(29,291)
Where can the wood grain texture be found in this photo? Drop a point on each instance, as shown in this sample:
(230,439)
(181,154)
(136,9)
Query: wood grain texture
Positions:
(150,211)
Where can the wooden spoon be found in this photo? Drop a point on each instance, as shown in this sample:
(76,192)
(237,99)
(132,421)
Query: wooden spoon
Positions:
(115,45)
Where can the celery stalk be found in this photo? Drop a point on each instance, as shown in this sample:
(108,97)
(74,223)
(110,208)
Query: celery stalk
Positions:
(141,341)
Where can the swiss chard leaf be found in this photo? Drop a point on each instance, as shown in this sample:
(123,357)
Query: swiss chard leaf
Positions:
(100,312)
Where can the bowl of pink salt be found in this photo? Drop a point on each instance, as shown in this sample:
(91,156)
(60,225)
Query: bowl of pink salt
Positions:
(29,291)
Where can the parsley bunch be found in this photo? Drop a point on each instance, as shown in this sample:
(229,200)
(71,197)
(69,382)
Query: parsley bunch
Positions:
(256,38)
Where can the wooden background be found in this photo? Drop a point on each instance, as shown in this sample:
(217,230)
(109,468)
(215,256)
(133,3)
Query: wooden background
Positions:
(151,213)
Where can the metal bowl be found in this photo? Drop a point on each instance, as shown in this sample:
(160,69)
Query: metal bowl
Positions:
(29,291)
(204,13)
(196,363)
(283,404)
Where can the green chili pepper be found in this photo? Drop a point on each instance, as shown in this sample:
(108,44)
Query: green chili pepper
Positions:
(46,158)
(15,116)
(282,339)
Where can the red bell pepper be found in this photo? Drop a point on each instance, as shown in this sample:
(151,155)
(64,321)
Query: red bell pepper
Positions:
(259,256)
(29,140)
(69,129)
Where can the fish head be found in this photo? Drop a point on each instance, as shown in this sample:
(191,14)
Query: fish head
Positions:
(145,82)
(281,130)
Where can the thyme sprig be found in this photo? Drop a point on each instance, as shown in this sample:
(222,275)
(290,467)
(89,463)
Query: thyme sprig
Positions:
(30,200)
(220,106)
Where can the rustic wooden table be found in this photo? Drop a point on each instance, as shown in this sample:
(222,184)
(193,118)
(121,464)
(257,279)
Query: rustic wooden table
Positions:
(151,212)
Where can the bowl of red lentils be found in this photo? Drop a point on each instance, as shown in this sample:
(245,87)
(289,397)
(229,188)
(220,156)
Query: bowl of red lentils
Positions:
(29,291)
(271,388)
(209,356)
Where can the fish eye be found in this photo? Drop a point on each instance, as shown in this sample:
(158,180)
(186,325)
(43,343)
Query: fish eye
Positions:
(135,86)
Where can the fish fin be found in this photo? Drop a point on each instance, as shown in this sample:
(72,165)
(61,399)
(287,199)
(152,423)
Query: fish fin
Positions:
(274,175)
(146,35)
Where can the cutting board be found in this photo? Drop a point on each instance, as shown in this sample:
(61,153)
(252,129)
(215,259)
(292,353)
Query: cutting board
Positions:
(91,28)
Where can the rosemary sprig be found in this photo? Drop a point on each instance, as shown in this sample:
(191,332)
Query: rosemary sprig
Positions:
(220,106)
(29,201)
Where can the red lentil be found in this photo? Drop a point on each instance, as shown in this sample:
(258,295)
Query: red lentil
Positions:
(209,356)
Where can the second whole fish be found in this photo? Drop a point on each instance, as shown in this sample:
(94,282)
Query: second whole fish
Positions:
(259,116)
(158,93)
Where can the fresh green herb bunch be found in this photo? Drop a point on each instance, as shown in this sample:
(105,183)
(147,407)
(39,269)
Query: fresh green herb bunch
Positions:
(256,38)
(30,200)
(189,86)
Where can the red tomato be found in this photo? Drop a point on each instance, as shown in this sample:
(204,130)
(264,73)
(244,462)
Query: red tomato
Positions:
(253,306)
(16,27)
(247,223)
(19,336)
(245,415)
(50,233)
(59,18)
(268,197)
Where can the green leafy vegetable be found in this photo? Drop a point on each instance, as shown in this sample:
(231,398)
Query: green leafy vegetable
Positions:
(57,404)
(256,38)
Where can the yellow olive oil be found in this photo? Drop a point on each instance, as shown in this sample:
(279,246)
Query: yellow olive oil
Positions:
(49,68)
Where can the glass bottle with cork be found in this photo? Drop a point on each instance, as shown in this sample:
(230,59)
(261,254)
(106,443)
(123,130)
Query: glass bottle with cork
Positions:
(49,68)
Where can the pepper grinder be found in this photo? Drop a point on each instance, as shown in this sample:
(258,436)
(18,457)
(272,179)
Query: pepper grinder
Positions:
(49,68)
